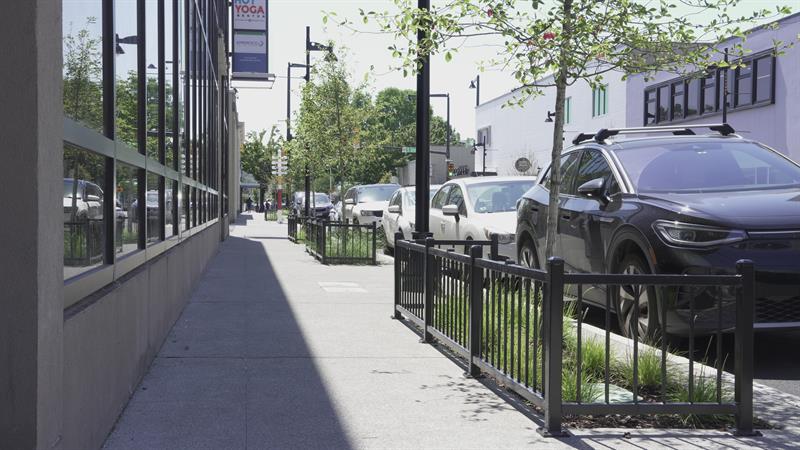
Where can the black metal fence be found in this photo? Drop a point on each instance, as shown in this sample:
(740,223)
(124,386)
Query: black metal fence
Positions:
(342,243)
(83,242)
(511,323)
(271,215)
(296,227)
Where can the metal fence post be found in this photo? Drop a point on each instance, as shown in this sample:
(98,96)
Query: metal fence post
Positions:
(427,277)
(553,315)
(323,242)
(397,274)
(475,308)
(374,244)
(495,248)
(745,315)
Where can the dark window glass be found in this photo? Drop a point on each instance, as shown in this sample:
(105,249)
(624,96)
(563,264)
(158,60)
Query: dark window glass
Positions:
(127,227)
(498,196)
(692,97)
(153,205)
(677,100)
(568,167)
(456,197)
(744,85)
(701,166)
(650,107)
(169,87)
(764,79)
(709,93)
(440,197)
(152,63)
(171,211)
(127,87)
(663,103)
(593,166)
(185,208)
(84,231)
(83,61)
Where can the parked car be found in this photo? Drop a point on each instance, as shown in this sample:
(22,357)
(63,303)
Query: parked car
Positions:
(477,208)
(364,204)
(680,204)
(400,212)
(83,200)
(151,203)
(320,207)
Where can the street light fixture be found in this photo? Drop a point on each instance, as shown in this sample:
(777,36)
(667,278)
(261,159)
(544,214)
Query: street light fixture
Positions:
(476,84)
(550,116)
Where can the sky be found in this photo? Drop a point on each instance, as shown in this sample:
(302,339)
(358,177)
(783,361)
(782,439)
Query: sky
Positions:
(261,108)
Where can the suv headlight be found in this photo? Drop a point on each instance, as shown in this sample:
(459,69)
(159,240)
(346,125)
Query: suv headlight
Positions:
(502,238)
(688,235)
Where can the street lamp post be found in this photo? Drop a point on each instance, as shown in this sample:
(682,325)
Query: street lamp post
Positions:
(289,68)
(483,146)
(423,159)
(476,84)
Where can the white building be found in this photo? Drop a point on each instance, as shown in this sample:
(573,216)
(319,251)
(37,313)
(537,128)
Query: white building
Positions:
(514,132)
(764,100)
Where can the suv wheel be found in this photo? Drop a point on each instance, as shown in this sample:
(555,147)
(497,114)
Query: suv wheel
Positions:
(645,320)
(527,255)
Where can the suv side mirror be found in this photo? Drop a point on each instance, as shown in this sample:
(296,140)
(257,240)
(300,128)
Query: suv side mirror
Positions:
(595,189)
(451,210)
(349,201)
(395,209)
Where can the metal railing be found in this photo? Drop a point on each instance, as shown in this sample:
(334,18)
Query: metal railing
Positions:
(296,227)
(83,242)
(271,215)
(342,243)
(511,323)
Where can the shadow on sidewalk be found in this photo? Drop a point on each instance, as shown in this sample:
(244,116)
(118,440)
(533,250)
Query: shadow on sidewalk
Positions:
(236,370)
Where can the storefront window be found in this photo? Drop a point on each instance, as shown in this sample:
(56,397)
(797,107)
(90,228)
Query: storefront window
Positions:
(128,224)
(84,203)
(83,62)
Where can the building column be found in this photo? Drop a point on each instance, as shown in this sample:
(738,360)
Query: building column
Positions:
(31,243)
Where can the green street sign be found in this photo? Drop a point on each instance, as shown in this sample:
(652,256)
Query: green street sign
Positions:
(409,149)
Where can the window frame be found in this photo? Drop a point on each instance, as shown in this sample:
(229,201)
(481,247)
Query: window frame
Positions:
(179,178)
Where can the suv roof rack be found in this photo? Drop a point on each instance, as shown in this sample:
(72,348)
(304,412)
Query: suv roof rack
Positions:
(678,130)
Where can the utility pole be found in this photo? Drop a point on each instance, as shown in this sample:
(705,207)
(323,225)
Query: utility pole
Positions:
(422,193)
(289,68)
(725,89)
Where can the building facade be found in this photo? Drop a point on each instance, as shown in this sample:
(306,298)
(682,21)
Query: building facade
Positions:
(124,176)
(762,104)
(763,95)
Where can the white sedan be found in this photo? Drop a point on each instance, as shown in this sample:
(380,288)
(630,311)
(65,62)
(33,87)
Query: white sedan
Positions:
(476,208)
(400,212)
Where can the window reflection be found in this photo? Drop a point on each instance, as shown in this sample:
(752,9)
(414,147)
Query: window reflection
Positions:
(127,87)
(151,96)
(185,208)
(127,225)
(171,198)
(153,206)
(83,62)
(84,232)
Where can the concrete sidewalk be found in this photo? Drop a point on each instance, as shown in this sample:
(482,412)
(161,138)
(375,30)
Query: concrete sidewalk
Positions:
(275,350)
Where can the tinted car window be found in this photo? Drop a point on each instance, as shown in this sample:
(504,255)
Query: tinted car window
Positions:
(439,198)
(593,166)
(706,166)
(376,193)
(497,196)
(457,198)
(569,165)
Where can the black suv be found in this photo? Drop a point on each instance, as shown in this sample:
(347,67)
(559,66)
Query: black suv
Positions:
(680,203)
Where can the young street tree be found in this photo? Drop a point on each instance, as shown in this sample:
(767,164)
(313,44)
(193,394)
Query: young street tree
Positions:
(257,155)
(557,43)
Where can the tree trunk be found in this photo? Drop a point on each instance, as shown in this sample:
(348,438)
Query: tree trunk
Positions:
(558,134)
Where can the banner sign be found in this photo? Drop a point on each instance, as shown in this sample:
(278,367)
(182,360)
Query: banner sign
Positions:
(250,39)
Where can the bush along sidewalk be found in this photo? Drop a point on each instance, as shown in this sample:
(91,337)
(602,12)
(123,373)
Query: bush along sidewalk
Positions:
(532,339)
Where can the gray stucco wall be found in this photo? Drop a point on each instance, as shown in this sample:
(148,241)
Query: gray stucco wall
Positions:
(31,254)
(111,339)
